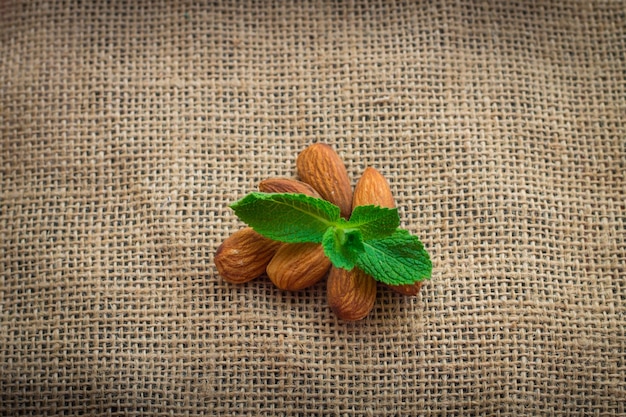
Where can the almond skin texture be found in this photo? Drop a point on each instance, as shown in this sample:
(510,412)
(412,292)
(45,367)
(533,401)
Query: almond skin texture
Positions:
(410,290)
(373,188)
(296,266)
(287,185)
(321,167)
(351,294)
(282,271)
(244,255)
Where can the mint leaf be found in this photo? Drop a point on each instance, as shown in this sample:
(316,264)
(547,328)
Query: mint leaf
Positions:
(287,217)
(374,221)
(343,247)
(395,260)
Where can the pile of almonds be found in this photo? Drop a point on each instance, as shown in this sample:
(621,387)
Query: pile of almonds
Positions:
(246,255)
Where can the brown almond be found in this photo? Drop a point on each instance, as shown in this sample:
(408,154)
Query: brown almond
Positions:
(281,271)
(296,266)
(287,185)
(373,188)
(351,294)
(410,290)
(244,255)
(321,167)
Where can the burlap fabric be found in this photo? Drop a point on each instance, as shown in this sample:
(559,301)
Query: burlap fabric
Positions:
(127,129)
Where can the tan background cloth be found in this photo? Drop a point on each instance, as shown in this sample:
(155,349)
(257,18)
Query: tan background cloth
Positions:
(127,129)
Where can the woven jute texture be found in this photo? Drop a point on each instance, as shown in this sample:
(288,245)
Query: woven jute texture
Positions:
(128,129)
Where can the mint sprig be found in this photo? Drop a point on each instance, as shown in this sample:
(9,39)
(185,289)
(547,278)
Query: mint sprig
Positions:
(370,239)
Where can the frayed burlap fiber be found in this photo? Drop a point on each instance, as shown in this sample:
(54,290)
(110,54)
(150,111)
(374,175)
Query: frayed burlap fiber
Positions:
(126,130)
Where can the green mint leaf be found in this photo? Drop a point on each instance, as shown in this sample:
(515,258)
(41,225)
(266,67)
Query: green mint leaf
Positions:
(395,260)
(287,217)
(343,247)
(374,221)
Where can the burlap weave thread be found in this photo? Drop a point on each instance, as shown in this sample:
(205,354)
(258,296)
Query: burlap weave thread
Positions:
(127,129)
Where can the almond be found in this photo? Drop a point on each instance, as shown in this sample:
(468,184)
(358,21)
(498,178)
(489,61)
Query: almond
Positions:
(296,266)
(373,188)
(282,271)
(287,185)
(321,167)
(351,294)
(407,289)
(244,256)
